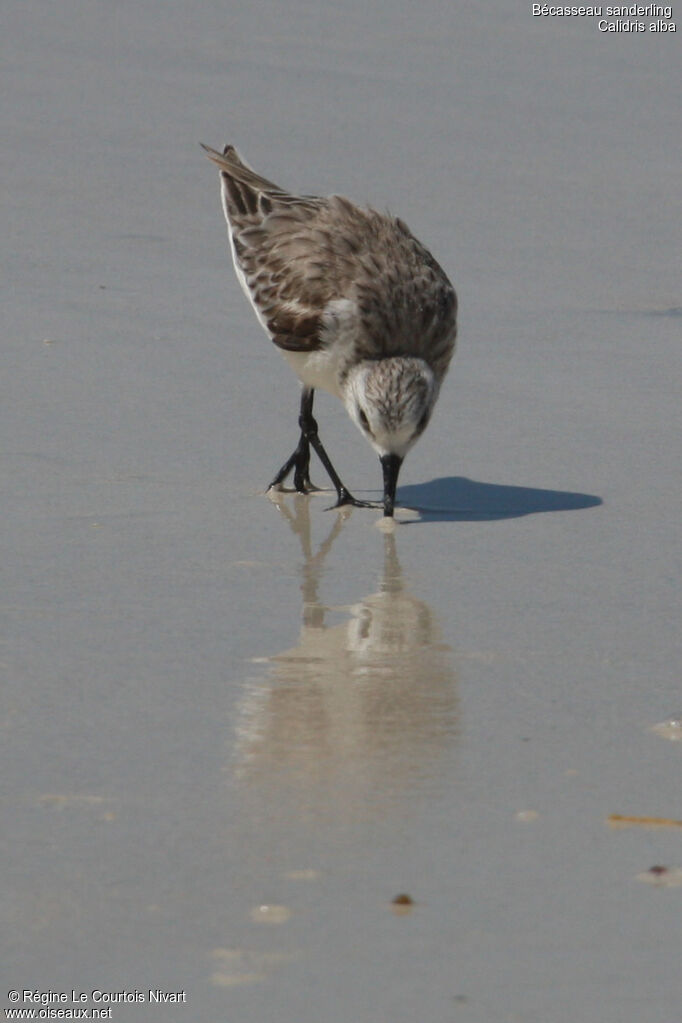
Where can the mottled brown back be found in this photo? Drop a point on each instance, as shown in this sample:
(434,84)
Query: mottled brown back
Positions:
(299,253)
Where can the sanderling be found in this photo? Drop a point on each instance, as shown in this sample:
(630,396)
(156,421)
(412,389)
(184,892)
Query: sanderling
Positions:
(357,306)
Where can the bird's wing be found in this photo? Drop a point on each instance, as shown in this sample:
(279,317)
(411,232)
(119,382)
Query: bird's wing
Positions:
(292,251)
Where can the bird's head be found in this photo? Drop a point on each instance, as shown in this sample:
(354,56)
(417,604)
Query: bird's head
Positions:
(391,400)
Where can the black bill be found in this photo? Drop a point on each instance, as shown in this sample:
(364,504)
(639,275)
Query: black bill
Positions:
(391,467)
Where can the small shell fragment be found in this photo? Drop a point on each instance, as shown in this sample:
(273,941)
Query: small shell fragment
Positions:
(671,729)
(662,877)
(220,979)
(402,904)
(527,815)
(619,820)
(270,914)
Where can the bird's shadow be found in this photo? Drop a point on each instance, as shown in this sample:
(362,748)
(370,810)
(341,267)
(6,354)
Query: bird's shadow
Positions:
(458,499)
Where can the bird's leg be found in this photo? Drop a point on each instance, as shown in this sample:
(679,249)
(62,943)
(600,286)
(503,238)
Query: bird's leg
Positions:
(309,432)
(299,460)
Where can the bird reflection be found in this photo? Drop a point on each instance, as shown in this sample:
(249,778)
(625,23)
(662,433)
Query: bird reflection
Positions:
(359,712)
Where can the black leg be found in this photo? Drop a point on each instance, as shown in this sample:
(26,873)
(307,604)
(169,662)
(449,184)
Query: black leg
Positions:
(299,461)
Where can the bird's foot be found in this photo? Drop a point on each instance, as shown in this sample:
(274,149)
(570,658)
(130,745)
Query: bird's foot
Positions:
(303,485)
(345,498)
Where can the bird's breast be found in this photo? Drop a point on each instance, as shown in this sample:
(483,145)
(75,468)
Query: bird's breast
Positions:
(318,369)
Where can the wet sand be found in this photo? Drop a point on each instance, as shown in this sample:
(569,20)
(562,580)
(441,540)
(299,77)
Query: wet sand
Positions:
(235,729)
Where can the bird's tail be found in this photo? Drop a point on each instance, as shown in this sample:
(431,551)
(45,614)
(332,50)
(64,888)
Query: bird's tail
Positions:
(231,163)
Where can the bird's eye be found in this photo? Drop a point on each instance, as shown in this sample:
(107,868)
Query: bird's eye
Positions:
(363,418)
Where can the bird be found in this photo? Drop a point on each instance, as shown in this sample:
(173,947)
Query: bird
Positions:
(357,306)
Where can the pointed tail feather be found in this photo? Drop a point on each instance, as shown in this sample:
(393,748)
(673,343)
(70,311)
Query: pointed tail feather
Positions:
(231,164)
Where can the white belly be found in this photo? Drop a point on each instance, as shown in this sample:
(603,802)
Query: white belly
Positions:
(315,369)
